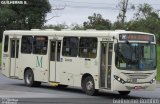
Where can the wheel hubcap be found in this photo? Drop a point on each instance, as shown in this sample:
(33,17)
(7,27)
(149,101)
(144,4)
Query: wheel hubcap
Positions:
(89,85)
(29,78)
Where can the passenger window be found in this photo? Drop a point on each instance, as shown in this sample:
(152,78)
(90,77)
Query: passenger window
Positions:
(53,47)
(58,50)
(70,46)
(26,46)
(88,47)
(40,45)
(13,47)
(6,43)
(17,49)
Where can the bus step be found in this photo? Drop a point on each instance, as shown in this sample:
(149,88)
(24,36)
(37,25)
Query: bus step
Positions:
(54,83)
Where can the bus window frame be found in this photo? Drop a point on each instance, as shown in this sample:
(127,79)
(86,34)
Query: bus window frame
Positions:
(87,47)
(5,49)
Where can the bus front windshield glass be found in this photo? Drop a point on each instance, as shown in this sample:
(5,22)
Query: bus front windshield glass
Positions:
(135,56)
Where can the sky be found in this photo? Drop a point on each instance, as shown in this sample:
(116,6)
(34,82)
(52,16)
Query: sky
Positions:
(77,11)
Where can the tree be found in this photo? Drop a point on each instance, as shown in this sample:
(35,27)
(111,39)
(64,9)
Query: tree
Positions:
(146,20)
(56,27)
(31,15)
(123,5)
(97,22)
(76,27)
(144,11)
(121,18)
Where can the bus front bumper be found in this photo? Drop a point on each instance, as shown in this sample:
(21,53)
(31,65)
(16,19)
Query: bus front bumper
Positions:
(117,86)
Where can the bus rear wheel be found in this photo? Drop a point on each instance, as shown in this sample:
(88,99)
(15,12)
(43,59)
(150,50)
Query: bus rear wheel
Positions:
(124,93)
(89,86)
(29,79)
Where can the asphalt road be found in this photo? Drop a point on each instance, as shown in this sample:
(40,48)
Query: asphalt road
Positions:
(15,92)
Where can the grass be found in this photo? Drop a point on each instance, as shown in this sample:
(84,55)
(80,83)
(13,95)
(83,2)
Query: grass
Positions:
(158,60)
(0,52)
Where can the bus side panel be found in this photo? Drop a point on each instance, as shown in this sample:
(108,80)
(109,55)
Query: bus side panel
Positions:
(37,63)
(19,62)
(70,71)
(92,66)
(41,68)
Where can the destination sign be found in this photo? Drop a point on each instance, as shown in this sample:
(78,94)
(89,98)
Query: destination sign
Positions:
(136,37)
(40,38)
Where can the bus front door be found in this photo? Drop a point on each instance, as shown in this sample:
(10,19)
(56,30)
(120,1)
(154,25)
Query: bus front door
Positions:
(105,65)
(14,49)
(55,49)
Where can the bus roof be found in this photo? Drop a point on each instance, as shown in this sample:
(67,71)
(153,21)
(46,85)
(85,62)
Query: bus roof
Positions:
(49,32)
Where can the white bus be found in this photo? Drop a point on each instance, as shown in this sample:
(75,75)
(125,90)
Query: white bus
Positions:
(119,60)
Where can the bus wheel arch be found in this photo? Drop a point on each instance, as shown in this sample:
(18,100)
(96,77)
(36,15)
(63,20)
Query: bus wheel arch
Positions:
(88,84)
(29,78)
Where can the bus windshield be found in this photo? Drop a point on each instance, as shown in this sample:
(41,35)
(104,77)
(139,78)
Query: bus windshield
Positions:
(135,56)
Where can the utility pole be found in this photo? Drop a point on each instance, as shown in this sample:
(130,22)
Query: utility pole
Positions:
(123,5)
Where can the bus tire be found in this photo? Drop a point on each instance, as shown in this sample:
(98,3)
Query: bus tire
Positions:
(89,86)
(62,86)
(29,79)
(124,93)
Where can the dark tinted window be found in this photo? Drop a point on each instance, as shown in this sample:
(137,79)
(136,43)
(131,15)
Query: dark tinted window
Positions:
(6,43)
(17,48)
(58,50)
(26,46)
(40,45)
(70,46)
(53,50)
(88,47)
(13,47)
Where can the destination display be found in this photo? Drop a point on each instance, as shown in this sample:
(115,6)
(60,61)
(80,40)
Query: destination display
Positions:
(136,37)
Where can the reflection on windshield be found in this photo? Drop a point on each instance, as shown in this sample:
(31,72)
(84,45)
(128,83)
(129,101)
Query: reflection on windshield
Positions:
(135,56)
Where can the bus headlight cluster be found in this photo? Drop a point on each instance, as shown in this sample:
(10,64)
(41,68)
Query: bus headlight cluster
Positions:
(119,79)
(152,80)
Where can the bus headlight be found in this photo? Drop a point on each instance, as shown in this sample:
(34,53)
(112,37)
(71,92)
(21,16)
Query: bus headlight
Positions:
(119,79)
(152,80)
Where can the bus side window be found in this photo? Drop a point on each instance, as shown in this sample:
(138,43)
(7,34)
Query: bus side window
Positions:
(88,47)
(40,45)
(6,40)
(26,46)
(58,50)
(53,47)
(70,46)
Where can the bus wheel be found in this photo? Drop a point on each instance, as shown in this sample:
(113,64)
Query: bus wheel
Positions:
(29,79)
(124,93)
(89,86)
(62,86)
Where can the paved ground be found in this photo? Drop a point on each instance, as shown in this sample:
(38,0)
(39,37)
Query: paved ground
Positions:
(46,94)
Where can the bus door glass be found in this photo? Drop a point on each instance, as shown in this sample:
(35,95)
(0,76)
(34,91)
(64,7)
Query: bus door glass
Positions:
(105,68)
(14,51)
(55,49)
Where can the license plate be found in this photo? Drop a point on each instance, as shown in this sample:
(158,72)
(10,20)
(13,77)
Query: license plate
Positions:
(137,87)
